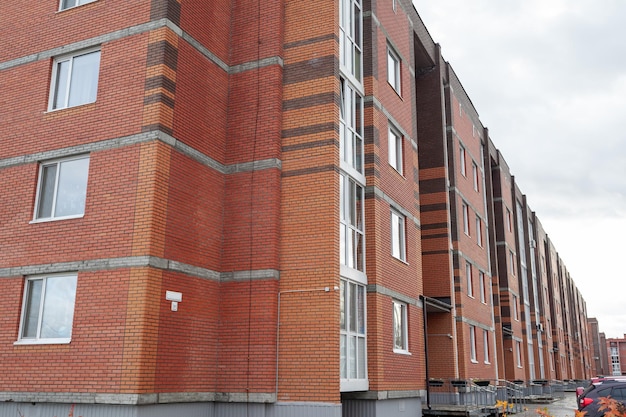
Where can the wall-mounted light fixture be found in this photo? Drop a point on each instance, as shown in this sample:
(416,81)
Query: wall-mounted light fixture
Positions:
(175,298)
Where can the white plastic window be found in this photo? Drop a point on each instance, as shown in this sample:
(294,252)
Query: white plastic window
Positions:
(74,80)
(48,309)
(62,189)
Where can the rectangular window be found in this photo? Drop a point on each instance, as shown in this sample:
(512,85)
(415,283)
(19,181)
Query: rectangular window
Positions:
(400,328)
(352,234)
(395,149)
(48,309)
(484,287)
(62,189)
(518,353)
(350,38)
(486,345)
(351,128)
(470,279)
(466,227)
(398,241)
(462,161)
(74,80)
(512,262)
(479,232)
(472,341)
(515,308)
(476,176)
(352,335)
(66,4)
(509,222)
(393,69)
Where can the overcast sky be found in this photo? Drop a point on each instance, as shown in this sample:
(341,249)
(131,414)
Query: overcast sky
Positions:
(548,78)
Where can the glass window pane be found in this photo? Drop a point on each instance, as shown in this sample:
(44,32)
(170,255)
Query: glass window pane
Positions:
(392,148)
(353,306)
(31,314)
(84,83)
(358,128)
(342,305)
(395,236)
(391,70)
(353,358)
(361,357)
(72,188)
(342,356)
(58,307)
(342,244)
(359,252)
(60,85)
(46,191)
(361,309)
(397,326)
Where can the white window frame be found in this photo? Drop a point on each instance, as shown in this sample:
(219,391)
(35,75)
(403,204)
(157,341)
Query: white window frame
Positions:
(465,214)
(515,307)
(61,89)
(394,70)
(462,156)
(396,153)
(353,329)
(351,39)
(42,309)
(518,353)
(479,231)
(486,346)
(401,328)
(470,279)
(352,226)
(509,223)
(63,4)
(483,287)
(476,177)
(398,235)
(41,184)
(351,130)
(472,342)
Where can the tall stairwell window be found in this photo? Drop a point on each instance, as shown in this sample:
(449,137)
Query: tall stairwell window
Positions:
(351,39)
(353,337)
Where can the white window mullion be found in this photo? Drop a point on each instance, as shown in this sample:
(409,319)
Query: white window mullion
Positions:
(68,82)
(40,307)
(56,190)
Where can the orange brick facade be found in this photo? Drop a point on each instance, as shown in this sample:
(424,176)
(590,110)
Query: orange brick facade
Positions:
(215,156)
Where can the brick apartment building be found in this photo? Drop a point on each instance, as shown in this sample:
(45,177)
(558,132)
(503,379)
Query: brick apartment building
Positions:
(615,349)
(258,208)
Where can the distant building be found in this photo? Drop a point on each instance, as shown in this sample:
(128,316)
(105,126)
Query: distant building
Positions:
(616,351)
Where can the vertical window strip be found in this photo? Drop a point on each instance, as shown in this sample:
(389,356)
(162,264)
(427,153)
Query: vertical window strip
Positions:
(472,341)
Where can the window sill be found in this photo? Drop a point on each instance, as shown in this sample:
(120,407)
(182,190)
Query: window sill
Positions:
(51,114)
(398,172)
(402,352)
(474,361)
(400,260)
(395,90)
(54,219)
(63,341)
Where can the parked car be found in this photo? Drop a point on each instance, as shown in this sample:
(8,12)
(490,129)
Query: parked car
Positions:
(589,399)
(597,380)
